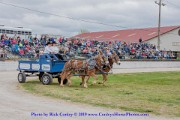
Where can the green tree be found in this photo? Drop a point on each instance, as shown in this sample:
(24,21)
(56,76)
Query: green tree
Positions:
(83,31)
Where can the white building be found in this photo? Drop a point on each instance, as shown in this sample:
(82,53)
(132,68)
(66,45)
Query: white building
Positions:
(15,31)
(169,41)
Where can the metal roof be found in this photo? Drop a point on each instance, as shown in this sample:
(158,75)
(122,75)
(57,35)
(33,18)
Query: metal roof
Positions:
(129,35)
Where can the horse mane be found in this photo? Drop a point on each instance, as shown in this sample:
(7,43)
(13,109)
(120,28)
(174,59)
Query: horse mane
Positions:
(100,52)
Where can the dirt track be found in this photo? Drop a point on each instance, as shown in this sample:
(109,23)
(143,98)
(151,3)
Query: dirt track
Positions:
(16,104)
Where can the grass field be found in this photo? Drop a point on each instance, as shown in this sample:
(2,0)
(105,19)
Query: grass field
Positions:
(153,93)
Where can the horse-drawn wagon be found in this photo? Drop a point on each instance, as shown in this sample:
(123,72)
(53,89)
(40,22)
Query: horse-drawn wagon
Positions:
(51,66)
(47,67)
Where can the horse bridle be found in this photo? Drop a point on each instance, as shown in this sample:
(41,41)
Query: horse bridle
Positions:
(114,57)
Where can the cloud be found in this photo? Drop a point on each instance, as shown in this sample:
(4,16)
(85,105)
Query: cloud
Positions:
(125,13)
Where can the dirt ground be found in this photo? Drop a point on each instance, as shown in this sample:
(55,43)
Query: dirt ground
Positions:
(17,104)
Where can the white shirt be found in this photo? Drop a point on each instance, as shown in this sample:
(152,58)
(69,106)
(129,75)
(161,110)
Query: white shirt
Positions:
(55,49)
(48,49)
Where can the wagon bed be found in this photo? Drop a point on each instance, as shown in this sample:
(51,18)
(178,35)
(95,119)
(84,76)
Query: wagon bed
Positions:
(47,67)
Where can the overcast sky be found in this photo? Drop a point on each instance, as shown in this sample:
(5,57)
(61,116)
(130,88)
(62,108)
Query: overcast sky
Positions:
(123,13)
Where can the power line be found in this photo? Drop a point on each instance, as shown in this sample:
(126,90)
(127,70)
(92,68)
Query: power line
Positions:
(82,20)
(173,4)
(67,17)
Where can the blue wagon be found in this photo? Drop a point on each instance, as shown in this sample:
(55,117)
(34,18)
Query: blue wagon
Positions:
(47,67)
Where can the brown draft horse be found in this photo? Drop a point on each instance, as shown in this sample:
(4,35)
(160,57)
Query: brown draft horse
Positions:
(77,66)
(107,66)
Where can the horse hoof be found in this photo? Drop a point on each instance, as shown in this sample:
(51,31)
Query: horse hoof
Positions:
(81,83)
(61,85)
(100,83)
(85,86)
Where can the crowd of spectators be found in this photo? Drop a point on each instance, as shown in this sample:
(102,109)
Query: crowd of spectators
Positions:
(28,48)
(33,46)
(132,51)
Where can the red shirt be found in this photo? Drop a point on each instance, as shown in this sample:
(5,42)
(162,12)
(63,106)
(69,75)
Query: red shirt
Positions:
(14,41)
(133,50)
(21,52)
(25,41)
(60,39)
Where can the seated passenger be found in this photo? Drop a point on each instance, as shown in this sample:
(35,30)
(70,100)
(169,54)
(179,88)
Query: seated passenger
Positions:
(54,48)
(48,48)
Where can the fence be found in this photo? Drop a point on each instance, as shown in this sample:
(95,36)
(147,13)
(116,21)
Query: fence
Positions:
(8,65)
(12,65)
(147,64)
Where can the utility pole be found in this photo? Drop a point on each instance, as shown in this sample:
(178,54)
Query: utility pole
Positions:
(159,22)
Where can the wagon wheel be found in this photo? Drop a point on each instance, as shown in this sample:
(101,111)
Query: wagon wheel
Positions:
(64,82)
(22,77)
(40,76)
(46,79)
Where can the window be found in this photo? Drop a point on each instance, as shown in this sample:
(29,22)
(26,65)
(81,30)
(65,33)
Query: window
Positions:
(3,31)
(152,33)
(15,32)
(8,31)
(131,34)
(19,32)
(26,33)
(11,32)
(176,44)
(115,36)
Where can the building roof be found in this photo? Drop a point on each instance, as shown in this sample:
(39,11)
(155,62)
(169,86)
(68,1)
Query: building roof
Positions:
(14,28)
(129,35)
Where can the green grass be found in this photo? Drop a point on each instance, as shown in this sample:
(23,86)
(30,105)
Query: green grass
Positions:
(156,93)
